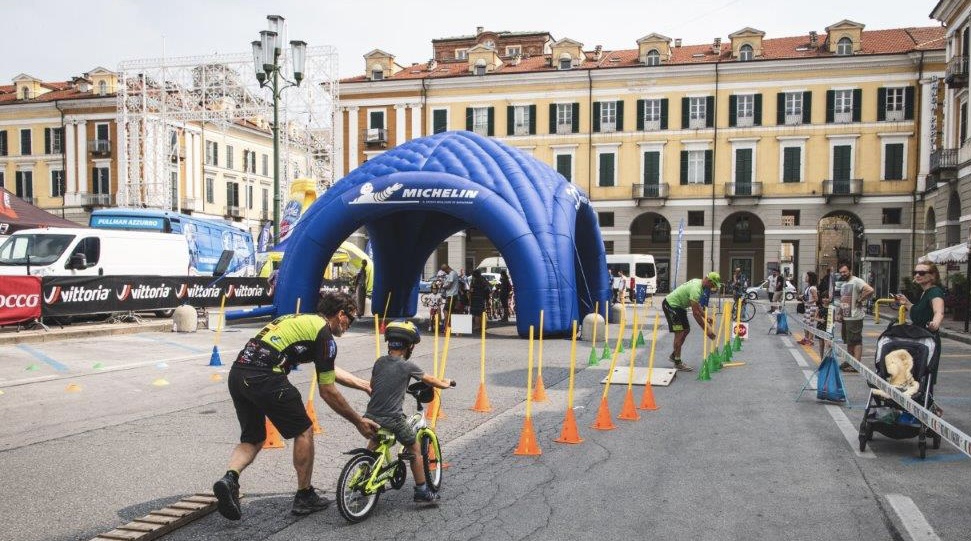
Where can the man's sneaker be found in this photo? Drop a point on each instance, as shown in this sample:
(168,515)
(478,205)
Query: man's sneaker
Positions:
(423,495)
(683,367)
(226,490)
(308,501)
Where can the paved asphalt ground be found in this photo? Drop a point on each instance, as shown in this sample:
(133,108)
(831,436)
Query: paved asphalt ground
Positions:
(734,458)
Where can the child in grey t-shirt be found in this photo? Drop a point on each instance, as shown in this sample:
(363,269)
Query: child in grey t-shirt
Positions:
(389,382)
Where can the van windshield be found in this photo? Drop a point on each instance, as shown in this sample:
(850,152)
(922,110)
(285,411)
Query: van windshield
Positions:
(644,270)
(36,249)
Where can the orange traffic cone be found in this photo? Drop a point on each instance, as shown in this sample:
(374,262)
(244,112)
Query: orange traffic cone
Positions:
(433,463)
(312,413)
(603,422)
(569,434)
(628,412)
(527,441)
(273,438)
(482,404)
(647,400)
(539,390)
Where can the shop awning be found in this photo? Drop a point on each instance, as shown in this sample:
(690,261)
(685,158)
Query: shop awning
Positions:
(952,254)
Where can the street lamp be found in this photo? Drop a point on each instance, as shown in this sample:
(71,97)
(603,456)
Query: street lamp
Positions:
(266,62)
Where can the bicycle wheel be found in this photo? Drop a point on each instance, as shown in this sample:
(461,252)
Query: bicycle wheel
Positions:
(431,459)
(353,502)
(748,311)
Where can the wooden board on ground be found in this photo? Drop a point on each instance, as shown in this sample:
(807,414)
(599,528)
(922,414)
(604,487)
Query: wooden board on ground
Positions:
(661,377)
(163,521)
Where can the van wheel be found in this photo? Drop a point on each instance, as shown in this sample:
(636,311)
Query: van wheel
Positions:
(164,313)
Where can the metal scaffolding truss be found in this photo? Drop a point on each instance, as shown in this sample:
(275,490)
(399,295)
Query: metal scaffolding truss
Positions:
(161,99)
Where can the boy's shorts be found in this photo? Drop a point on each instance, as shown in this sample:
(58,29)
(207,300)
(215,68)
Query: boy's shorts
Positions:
(398,426)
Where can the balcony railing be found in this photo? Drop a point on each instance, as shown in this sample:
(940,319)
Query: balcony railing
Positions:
(945,158)
(96,199)
(851,187)
(191,203)
(956,75)
(100,146)
(650,191)
(375,135)
(743,189)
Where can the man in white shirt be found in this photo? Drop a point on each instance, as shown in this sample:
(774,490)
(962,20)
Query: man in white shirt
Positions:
(451,287)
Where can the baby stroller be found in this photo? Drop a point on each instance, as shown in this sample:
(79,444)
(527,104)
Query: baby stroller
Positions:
(886,416)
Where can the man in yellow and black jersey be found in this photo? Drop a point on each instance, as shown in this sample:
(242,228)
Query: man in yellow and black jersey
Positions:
(259,387)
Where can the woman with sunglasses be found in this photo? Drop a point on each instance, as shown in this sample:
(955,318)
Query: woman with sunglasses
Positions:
(928,311)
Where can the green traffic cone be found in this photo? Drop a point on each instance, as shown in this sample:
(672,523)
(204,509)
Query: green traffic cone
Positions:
(715,360)
(621,340)
(640,338)
(606,353)
(594,359)
(737,343)
(727,353)
(32,367)
(98,366)
(705,373)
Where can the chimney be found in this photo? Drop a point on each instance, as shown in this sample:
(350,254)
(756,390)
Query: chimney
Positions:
(813,39)
(717,46)
(516,59)
(432,64)
(598,52)
(677,42)
(479,29)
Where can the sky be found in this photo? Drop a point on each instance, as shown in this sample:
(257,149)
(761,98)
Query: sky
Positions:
(59,39)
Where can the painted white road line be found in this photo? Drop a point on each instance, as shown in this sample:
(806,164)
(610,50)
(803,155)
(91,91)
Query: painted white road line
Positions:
(38,379)
(800,360)
(913,520)
(786,342)
(849,431)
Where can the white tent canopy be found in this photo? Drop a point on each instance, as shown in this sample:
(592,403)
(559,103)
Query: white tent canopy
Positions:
(952,254)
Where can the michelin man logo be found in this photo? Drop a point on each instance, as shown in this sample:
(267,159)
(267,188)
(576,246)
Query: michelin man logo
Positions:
(573,193)
(368,196)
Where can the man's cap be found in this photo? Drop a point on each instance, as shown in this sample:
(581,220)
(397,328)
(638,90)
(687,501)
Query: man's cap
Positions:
(715,278)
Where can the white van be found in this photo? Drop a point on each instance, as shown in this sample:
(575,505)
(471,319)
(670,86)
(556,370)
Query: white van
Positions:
(644,270)
(93,252)
(492,264)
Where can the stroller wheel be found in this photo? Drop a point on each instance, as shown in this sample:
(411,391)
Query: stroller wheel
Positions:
(865,434)
(936,441)
(922,448)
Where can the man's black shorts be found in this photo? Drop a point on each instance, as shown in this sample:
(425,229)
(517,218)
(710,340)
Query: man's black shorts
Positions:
(258,394)
(677,317)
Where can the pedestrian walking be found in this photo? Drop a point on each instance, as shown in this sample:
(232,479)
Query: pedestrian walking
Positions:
(360,287)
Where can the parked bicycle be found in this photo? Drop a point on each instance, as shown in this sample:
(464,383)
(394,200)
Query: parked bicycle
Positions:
(748,308)
(369,473)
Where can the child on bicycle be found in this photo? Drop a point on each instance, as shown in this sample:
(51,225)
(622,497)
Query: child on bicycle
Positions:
(389,380)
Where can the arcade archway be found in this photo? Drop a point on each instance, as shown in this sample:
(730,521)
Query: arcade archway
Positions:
(650,233)
(742,246)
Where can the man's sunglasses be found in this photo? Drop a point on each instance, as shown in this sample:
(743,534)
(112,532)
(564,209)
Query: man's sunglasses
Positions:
(921,273)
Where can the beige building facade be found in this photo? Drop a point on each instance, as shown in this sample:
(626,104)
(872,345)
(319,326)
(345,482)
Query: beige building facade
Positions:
(750,152)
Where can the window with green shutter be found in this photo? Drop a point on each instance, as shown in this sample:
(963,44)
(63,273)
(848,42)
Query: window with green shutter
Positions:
(743,166)
(607,169)
(564,166)
(652,167)
(439,120)
(841,162)
(893,167)
(791,164)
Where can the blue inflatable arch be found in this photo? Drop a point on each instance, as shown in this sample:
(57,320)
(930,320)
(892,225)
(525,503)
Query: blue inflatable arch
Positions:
(412,198)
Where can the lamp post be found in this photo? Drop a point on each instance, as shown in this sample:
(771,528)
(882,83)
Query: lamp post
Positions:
(266,62)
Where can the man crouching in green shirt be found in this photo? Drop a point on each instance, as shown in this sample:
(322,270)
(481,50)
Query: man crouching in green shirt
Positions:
(693,294)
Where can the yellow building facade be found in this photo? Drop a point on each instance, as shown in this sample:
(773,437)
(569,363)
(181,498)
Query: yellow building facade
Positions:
(749,152)
(60,150)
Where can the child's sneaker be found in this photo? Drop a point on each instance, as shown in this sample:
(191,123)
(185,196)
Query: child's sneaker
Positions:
(424,495)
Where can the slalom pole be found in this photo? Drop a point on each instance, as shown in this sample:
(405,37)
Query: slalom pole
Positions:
(596,311)
(527,439)
(384,315)
(613,360)
(539,393)
(482,398)
(629,412)
(570,434)
(647,400)
(377,337)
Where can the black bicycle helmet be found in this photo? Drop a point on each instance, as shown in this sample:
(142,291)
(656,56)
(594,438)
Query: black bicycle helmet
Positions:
(403,332)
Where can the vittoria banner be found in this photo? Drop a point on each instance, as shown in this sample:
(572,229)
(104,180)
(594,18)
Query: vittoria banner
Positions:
(63,296)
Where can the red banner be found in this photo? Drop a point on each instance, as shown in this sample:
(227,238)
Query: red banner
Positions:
(19,299)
